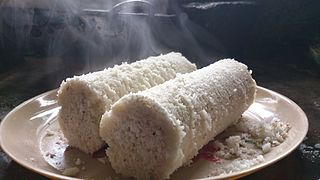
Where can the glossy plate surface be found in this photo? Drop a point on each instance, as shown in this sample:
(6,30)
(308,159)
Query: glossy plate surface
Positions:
(30,135)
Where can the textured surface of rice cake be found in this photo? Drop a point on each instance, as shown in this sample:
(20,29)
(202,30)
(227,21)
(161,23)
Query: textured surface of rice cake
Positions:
(152,133)
(83,99)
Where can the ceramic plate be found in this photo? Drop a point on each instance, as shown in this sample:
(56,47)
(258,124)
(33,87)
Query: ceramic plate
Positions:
(30,135)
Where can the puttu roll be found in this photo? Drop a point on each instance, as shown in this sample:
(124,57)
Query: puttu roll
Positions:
(84,99)
(152,133)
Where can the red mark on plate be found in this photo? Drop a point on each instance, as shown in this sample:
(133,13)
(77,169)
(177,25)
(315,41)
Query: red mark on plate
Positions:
(208,153)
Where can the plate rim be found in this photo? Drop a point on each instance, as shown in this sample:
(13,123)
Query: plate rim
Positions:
(18,161)
(262,165)
(234,175)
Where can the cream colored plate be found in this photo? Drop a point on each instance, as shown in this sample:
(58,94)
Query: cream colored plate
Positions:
(30,135)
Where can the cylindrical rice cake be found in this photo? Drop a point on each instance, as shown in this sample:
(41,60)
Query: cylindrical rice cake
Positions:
(152,133)
(83,99)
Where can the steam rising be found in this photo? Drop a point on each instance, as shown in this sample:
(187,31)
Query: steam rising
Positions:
(92,35)
(208,5)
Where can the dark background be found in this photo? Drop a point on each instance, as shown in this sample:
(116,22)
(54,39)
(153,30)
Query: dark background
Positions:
(278,39)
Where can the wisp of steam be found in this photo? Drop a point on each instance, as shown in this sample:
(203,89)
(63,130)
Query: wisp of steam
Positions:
(82,36)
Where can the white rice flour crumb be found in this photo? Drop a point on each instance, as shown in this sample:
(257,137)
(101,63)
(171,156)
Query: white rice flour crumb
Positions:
(243,145)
